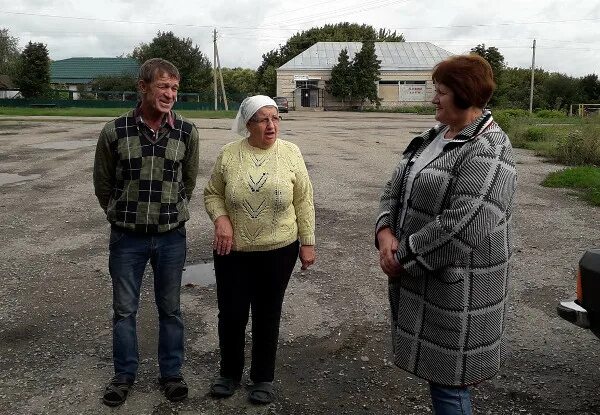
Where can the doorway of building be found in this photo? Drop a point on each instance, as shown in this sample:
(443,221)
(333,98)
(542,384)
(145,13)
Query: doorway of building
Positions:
(305,97)
(309,97)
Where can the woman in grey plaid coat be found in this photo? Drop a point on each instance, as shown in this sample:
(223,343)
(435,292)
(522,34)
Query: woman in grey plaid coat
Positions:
(445,239)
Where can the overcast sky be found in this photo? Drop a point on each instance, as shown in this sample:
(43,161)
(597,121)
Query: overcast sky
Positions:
(567,32)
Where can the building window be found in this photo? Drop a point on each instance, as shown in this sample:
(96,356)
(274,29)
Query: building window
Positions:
(307,84)
(413,82)
(388,82)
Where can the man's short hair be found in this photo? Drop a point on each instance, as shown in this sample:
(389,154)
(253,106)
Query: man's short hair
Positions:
(156,66)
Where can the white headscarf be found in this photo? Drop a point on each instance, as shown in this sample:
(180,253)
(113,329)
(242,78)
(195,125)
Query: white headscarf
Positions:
(248,108)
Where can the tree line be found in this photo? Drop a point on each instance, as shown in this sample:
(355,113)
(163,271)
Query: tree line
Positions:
(352,80)
(552,90)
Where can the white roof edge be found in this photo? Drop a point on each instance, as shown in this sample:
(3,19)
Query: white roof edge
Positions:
(393,55)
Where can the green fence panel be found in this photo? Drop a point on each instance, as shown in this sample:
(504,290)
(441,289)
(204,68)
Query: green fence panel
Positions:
(60,98)
(96,103)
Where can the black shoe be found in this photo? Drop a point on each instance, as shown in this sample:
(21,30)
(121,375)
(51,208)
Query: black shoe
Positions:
(223,387)
(116,391)
(262,393)
(174,387)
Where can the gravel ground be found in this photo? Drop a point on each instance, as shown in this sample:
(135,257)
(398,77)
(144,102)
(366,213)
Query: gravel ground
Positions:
(55,337)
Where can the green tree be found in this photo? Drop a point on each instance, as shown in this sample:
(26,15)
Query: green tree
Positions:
(9,52)
(558,91)
(194,67)
(496,61)
(239,81)
(339,32)
(102,85)
(266,77)
(386,35)
(514,89)
(341,84)
(365,68)
(121,83)
(589,89)
(493,56)
(33,71)
(552,90)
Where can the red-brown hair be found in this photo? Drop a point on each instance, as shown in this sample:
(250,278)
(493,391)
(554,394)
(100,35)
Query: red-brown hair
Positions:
(470,78)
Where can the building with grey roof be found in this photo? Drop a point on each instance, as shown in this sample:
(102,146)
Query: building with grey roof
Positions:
(405,73)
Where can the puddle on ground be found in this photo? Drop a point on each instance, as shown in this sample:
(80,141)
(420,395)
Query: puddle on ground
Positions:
(201,275)
(67,145)
(8,178)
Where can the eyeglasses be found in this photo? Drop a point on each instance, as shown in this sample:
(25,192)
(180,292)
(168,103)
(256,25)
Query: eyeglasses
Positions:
(265,121)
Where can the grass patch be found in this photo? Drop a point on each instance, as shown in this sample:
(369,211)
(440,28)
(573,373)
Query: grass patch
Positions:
(102,112)
(416,109)
(585,179)
(549,114)
(572,141)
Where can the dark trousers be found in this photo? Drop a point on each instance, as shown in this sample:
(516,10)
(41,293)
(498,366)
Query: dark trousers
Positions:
(257,281)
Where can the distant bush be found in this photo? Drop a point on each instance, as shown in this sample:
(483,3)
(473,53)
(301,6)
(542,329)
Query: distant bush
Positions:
(515,112)
(423,109)
(503,119)
(580,147)
(549,114)
(512,112)
(415,109)
(507,118)
(536,133)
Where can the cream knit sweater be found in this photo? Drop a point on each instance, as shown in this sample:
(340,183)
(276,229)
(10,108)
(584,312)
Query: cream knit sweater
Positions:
(267,195)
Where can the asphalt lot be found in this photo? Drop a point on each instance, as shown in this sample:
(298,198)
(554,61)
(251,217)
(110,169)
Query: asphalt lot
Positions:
(55,308)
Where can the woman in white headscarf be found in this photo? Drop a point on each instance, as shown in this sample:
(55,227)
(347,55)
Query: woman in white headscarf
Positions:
(260,199)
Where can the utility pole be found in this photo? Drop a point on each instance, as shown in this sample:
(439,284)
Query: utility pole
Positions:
(532,78)
(221,77)
(215,65)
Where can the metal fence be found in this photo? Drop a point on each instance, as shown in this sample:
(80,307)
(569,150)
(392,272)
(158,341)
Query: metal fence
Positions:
(119,99)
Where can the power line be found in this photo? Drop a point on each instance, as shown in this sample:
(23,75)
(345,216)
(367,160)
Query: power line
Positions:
(265,33)
(487,40)
(365,5)
(310,6)
(498,24)
(95,19)
(470,45)
(237,35)
(339,12)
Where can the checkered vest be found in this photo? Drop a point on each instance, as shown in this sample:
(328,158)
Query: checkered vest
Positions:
(148,195)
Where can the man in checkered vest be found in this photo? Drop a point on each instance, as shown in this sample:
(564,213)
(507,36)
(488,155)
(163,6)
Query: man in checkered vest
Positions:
(145,170)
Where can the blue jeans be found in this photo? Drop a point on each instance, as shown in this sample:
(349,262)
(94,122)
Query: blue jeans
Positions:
(450,400)
(129,254)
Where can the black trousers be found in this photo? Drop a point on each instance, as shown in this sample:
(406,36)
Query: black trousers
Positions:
(257,281)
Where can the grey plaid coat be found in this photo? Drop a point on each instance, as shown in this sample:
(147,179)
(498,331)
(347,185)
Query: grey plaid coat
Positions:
(449,306)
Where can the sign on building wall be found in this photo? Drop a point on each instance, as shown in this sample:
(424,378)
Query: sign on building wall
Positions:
(412,92)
